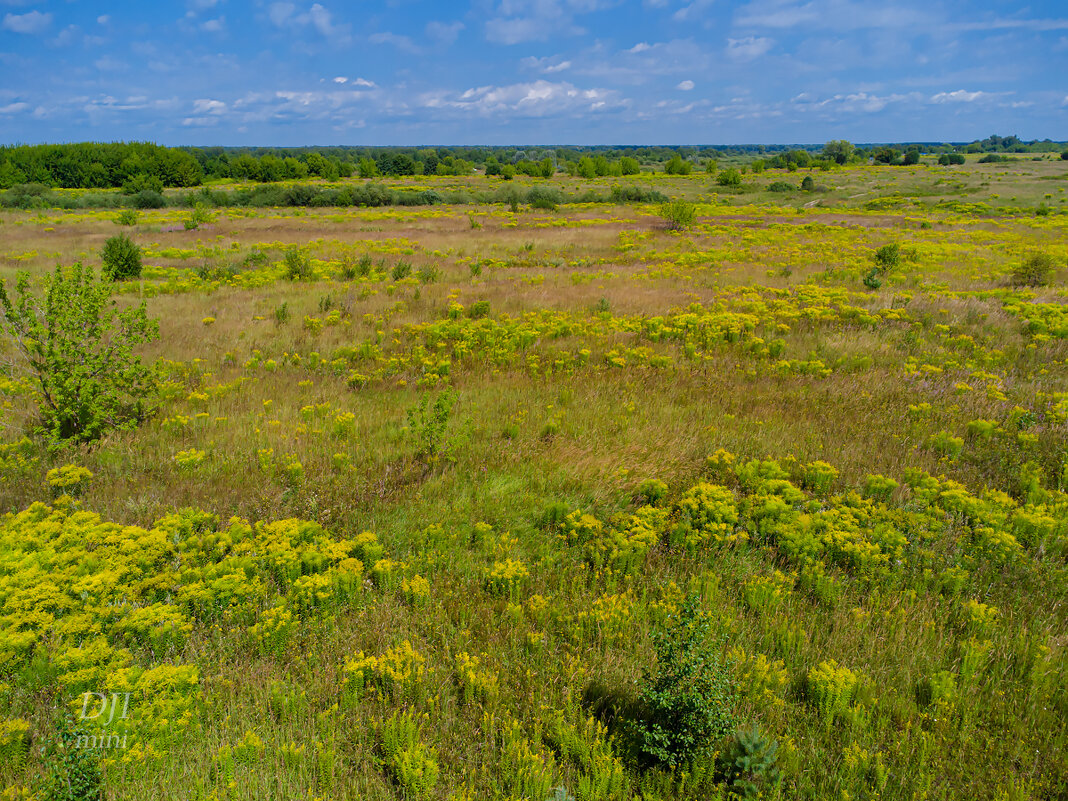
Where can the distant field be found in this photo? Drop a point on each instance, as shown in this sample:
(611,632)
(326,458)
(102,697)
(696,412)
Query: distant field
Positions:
(866,487)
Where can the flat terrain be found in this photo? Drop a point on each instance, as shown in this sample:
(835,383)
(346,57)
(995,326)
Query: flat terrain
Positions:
(864,486)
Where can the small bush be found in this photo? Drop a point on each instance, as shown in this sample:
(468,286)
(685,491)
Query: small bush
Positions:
(1036,271)
(80,349)
(148,199)
(807,184)
(688,701)
(282,314)
(780,186)
(730,178)
(121,257)
(888,257)
(678,214)
(297,264)
(127,217)
(402,269)
(544,198)
(428,274)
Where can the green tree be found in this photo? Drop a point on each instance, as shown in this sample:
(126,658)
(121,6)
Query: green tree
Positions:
(730,178)
(839,150)
(676,165)
(80,350)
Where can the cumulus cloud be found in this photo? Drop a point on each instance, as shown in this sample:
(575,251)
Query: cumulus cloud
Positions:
(536,99)
(30,22)
(685,86)
(14,108)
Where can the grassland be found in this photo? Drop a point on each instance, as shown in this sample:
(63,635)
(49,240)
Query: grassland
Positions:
(866,489)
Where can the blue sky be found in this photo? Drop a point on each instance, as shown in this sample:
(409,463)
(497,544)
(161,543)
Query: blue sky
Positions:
(531,71)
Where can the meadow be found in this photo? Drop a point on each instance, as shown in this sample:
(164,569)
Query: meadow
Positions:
(427,481)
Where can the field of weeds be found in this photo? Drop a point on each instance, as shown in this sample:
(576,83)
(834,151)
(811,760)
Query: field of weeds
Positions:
(430,488)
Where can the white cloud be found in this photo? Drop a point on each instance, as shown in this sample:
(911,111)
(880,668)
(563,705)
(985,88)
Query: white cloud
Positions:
(444,33)
(537,99)
(640,47)
(685,86)
(103,19)
(749,48)
(853,103)
(341,79)
(692,12)
(517,21)
(546,65)
(680,57)
(30,22)
(206,106)
(843,15)
(217,25)
(14,108)
(959,96)
(318,17)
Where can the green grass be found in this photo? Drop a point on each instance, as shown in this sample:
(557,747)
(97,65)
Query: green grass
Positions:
(612,351)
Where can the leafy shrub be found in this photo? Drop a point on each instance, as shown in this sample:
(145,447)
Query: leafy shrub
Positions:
(148,199)
(121,257)
(428,274)
(636,194)
(72,768)
(1035,271)
(808,184)
(197,217)
(780,186)
(688,702)
(678,214)
(888,257)
(282,314)
(401,270)
(541,197)
(81,353)
(427,424)
(729,178)
(297,264)
(127,217)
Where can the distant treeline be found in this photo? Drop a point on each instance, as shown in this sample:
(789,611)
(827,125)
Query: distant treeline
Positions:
(365,193)
(140,166)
